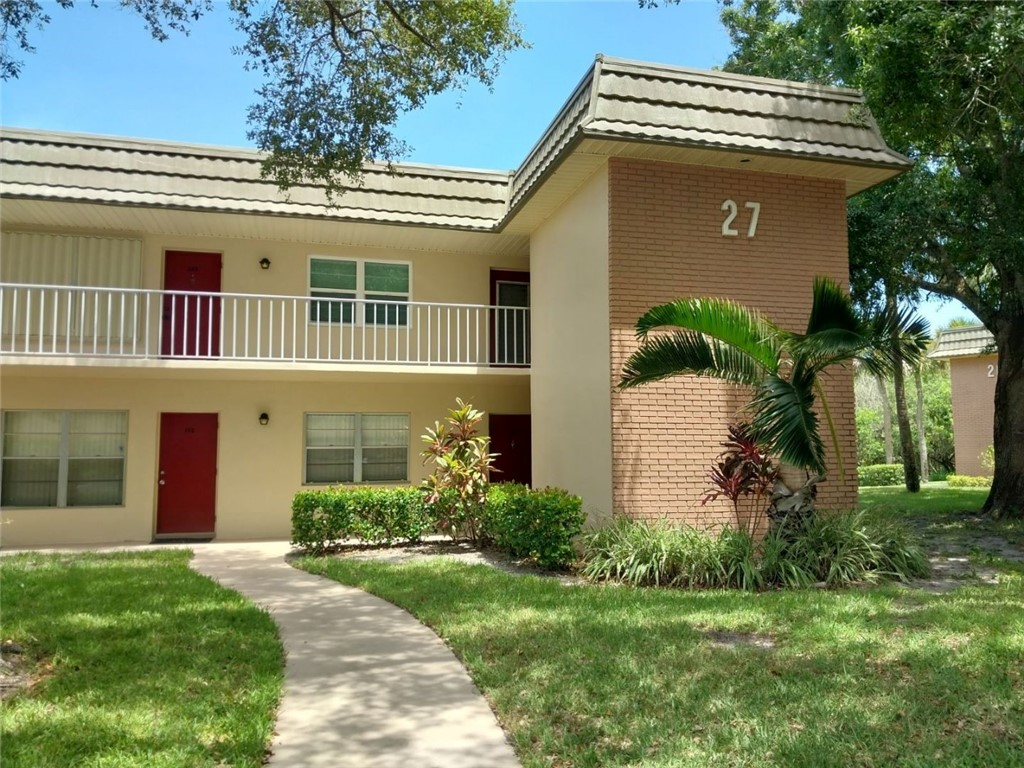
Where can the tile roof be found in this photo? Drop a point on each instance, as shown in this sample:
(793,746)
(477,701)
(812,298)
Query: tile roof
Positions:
(965,341)
(617,101)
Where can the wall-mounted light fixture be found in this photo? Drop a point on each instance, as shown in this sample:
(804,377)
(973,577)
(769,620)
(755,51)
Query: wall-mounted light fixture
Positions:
(264,263)
(264,419)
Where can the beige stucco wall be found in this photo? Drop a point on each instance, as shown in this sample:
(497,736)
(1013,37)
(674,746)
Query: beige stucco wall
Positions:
(972,383)
(259,468)
(570,394)
(437,276)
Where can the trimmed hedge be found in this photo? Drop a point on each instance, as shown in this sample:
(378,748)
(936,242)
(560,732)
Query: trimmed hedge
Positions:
(540,525)
(880,474)
(969,481)
(322,519)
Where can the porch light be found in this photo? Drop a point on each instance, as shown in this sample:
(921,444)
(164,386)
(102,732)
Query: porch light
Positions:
(264,419)
(264,263)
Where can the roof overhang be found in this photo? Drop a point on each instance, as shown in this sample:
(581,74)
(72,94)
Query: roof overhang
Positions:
(619,109)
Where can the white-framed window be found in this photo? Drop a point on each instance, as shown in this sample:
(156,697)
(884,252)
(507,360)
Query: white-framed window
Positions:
(63,458)
(359,290)
(356,447)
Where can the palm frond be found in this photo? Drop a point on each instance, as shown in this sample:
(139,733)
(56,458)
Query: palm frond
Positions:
(896,336)
(785,421)
(831,308)
(829,346)
(660,357)
(720,319)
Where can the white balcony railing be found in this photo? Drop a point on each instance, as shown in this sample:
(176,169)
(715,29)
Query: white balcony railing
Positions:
(49,320)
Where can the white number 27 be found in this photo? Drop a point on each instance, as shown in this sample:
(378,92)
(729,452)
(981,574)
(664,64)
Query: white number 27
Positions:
(730,207)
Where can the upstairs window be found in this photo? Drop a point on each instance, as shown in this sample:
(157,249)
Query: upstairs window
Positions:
(364,292)
(63,458)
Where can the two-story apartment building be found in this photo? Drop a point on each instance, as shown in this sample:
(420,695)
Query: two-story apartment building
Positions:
(183,347)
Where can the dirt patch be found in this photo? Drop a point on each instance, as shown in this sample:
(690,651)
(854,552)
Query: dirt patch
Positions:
(722,639)
(19,671)
(955,544)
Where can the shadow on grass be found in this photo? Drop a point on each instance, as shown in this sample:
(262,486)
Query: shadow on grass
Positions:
(153,664)
(610,676)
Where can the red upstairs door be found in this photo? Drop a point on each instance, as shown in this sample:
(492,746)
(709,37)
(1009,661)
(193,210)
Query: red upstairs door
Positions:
(511,437)
(187,475)
(191,320)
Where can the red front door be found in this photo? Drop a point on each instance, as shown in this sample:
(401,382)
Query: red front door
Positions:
(510,437)
(187,478)
(191,320)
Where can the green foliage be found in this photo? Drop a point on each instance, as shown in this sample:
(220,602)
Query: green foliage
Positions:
(880,474)
(322,519)
(834,549)
(946,88)
(142,662)
(870,443)
(337,74)
(462,462)
(968,481)
(988,458)
(541,525)
(724,340)
(938,420)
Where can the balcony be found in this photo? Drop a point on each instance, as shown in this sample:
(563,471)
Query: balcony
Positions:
(51,321)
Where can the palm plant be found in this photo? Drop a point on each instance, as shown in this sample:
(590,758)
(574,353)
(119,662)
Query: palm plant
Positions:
(721,339)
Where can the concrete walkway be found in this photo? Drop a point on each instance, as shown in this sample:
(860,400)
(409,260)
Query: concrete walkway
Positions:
(365,683)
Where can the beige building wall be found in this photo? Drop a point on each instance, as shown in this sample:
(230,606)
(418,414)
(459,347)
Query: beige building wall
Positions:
(259,467)
(666,242)
(570,396)
(973,384)
(437,276)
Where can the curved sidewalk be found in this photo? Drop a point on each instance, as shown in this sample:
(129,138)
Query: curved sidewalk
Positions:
(365,683)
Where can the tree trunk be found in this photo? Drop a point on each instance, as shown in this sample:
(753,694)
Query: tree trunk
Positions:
(911,475)
(1006,498)
(886,418)
(922,438)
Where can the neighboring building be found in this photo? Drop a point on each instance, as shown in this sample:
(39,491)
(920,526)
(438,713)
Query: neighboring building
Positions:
(973,363)
(184,348)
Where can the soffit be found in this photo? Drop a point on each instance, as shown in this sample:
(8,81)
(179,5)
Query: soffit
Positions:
(135,220)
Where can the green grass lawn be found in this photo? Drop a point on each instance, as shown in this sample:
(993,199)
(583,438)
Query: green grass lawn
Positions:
(614,676)
(151,664)
(943,515)
(933,499)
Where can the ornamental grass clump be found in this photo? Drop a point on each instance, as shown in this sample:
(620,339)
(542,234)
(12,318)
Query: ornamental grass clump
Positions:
(832,549)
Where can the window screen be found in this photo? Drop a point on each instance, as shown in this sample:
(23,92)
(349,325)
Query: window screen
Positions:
(355,448)
(382,288)
(63,458)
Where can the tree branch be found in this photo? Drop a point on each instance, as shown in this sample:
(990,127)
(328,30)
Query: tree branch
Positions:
(408,27)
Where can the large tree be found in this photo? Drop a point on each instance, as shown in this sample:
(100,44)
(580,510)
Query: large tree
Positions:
(945,81)
(337,74)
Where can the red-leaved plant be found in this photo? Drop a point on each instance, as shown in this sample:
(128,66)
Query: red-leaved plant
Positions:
(743,469)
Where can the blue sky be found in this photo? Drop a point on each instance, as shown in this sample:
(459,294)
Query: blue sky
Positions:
(96,70)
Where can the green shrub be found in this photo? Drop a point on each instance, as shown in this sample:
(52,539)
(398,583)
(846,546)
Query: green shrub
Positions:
(540,525)
(968,481)
(938,475)
(643,553)
(835,549)
(880,474)
(321,519)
